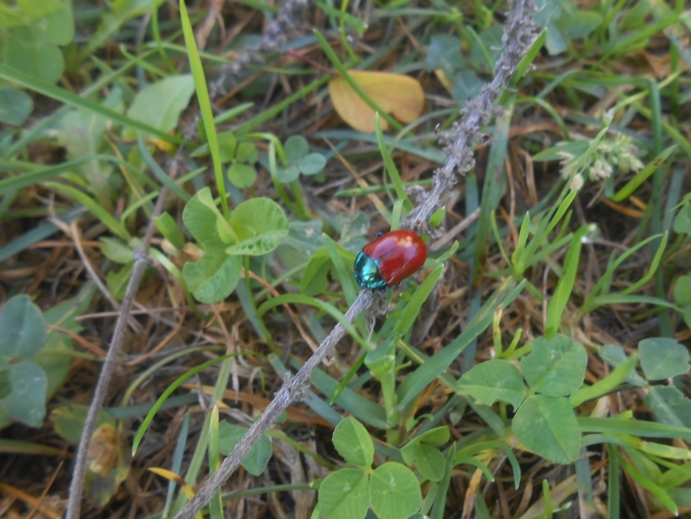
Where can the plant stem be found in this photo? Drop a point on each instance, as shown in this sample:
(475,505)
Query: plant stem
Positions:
(140,264)
(293,389)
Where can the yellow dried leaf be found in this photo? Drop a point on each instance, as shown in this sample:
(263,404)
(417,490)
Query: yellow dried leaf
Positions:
(401,96)
(162,145)
(107,465)
(172,476)
(103,451)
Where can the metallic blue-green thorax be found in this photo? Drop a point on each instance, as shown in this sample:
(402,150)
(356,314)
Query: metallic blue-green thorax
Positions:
(367,273)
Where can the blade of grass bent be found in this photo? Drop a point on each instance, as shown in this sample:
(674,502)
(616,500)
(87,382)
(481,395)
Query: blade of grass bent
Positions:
(99,212)
(169,390)
(318,303)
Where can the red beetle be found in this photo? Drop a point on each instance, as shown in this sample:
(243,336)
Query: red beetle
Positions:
(389,259)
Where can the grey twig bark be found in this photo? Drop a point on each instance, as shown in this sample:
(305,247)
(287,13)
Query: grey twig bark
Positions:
(519,35)
(294,389)
(140,263)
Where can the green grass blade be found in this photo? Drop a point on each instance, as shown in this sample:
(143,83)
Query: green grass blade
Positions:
(347,378)
(232,112)
(619,299)
(396,212)
(169,390)
(650,486)
(36,234)
(653,267)
(562,293)
(389,164)
(343,275)
(551,111)
(8,446)
(475,463)
(204,104)
(440,502)
(493,188)
(178,455)
(633,427)
(431,154)
(348,18)
(272,112)
(312,401)
(161,175)
(607,384)
(216,504)
(40,175)
(94,207)
(175,271)
(527,60)
(643,175)
(69,98)
(352,83)
(476,448)
(411,387)
(613,485)
(604,281)
(317,303)
(523,235)
(547,498)
(360,407)
(412,308)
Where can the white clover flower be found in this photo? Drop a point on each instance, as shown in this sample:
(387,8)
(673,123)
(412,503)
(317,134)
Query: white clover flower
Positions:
(577,182)
(599,164)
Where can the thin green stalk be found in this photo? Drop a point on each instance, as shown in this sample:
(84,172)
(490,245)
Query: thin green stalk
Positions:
(344,35)
(65,96)
(204,105)
(200,449)
(551,111)
(183,50)
(273,149)
(352,83)
(278,108)
(216,504)
(302,448)
(159,42)
(303,210)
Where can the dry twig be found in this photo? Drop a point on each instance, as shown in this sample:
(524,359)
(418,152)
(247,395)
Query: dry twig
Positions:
(459,141)
(519,35)
(140,264)
(294,389)
(287,21)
